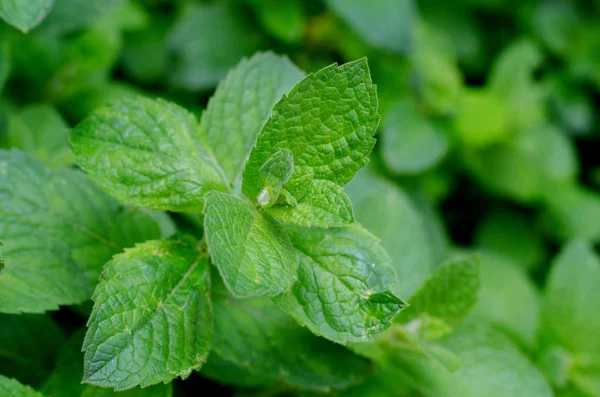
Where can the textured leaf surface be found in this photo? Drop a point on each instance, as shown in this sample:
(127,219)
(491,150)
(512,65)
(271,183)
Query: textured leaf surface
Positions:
(571,299)
(256,343)
(387,24)
(58,230)
(516,310)
(275,172)
(324,204)
(410,143)
(241,106)
(147,152)
(28,344)
(24,14)
(492,366)
(387,212)
(12,388)
(152,317)
(343,281)
(449,293)
(327,122)
(251,250)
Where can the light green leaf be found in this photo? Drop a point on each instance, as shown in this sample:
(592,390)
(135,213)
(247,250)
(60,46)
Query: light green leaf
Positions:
(410,143)
(256,343)
(250,249)
(12,388)
(152,317)
(41,131)
(508,299)
(28,346)
(449,294)
(343,281)
(323,204)
(24,14)
(70,15)
(58,230)
(492,366)
(241,106)
(512,81)
(148,153)
(386,24)
(481,119)
(387,212)
(275,172)
(327,122)
(206,41)
(571,299)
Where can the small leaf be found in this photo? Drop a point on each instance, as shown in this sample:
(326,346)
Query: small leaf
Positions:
(12,388)
(326,122)
(343,280)
(24,14)
(275,172)
(152,317)
(148,153)
(449,293)
(241,106)
(250,249)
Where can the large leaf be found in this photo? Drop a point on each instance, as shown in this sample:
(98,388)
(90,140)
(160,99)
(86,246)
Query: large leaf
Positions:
(256,343)
(326,122)
(24,14)
(149,153)
(152,317)
(58,231)
(251,250)
(343,281)
(241,106)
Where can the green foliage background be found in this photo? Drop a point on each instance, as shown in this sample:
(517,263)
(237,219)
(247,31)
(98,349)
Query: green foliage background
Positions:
(488,145)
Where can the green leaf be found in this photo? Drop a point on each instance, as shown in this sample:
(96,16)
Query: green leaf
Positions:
(525,168)
(70,15)
(154,391)
(206,41)
(152,317)
(148,153)
(571,298)
(250,249)
(283,19)
(275,172)
(28,345)
(327,122)
(386,24)
(65,379)
(387,212)
(511,235)
(12,388)
(41,131)
(58,230)
(410,143)
(241,106)
(481,119)
(449,294)
(512,81)
(256,343)
(573,211)
(24,14)
(515,309)
(324,204)
(491,366)
(343,281)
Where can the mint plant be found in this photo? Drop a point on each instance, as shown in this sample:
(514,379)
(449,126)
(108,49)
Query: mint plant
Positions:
(266,167)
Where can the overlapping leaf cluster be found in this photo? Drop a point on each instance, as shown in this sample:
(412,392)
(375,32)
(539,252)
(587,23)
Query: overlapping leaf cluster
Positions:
(238,239)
